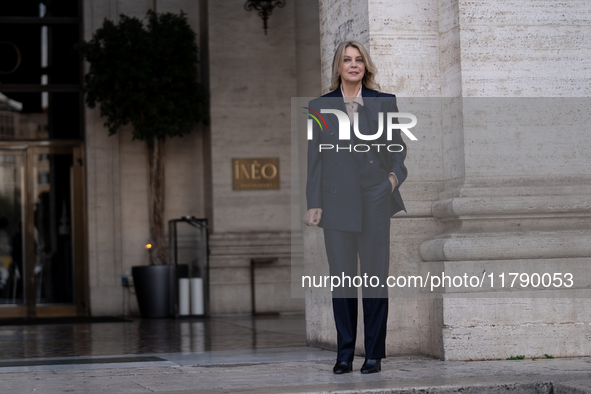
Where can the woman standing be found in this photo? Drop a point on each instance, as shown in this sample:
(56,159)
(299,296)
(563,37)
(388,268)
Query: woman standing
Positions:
(352,193)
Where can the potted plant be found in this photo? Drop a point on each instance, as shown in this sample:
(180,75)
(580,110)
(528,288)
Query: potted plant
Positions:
(147,75)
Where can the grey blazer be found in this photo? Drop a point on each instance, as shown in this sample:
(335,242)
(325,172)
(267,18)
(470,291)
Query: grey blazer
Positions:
(333,181)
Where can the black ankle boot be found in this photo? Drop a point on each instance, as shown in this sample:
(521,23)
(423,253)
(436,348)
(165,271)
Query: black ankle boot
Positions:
(342,367)
(372,365)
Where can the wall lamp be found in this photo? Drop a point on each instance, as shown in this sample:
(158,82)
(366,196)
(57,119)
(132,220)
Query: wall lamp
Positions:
(264,7)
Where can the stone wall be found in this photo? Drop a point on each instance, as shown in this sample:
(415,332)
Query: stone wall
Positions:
(252,79)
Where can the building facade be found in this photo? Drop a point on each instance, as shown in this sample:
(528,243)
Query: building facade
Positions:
(74,200)
(43,119)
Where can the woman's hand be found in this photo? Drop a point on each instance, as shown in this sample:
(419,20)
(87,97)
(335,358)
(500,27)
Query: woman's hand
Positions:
(313,215)
(393,180)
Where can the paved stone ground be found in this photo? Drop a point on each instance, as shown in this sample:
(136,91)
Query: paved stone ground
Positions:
(244,355)
(414,374)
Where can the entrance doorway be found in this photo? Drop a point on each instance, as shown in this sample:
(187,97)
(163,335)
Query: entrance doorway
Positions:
(42,230)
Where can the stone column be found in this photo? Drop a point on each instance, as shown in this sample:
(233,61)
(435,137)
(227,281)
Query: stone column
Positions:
(481,197)
(103,189)
(511,201)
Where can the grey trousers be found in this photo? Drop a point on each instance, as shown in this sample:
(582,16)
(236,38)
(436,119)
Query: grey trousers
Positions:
(372,246)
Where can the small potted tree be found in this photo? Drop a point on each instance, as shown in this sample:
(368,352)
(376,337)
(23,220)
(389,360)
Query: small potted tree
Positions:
(147,76)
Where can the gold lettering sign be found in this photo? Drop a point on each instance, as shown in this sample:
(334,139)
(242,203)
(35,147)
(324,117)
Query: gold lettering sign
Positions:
(255,174)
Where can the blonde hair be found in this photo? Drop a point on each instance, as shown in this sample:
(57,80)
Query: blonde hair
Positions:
(370,68)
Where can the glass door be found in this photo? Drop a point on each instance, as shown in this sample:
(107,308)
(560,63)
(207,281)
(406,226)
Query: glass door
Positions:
(12,219)
(42,231)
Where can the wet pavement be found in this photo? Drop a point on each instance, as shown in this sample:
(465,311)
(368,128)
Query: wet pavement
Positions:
(144,336)
(242,354)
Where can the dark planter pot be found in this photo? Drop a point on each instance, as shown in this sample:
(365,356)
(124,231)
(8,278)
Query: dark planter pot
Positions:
(154,288)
